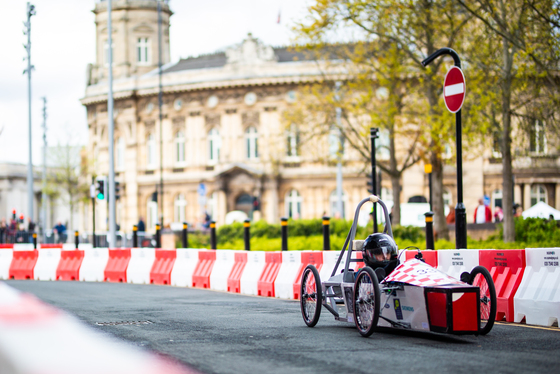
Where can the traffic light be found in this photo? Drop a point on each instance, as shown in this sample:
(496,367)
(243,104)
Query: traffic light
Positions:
(101,187)
(256,203)
(117,190)
(154,197)
(14,214)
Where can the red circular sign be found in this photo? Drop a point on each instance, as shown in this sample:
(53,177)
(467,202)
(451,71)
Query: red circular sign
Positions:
(454,89)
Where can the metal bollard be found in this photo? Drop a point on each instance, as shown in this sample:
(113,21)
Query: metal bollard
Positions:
(34,240)
(284,226)
(213,241)
(326,234)
(185,235)
(76,238)
(134,236)
(247,234)
(158,235)
(429,230)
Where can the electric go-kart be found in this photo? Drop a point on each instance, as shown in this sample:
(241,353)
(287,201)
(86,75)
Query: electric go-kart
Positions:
(411,296)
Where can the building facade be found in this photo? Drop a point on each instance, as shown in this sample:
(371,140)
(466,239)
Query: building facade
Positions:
(223,145)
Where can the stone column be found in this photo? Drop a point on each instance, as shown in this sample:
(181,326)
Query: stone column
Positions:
(527,196)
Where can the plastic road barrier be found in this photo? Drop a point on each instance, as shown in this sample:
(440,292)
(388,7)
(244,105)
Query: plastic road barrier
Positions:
(4,245)
(429,256)
(250,278)
(37,338)
(538,297)
(187,259)
(201,274)
(507,268)
(23,264)
(52,245)
(23,247)
(453,262)
(239,263)
(6,255)
(307,257)
(163,264)
(69,266)
(284,284)
(47,262)
(94,264)
(225,259)
(265,285)
(140,265)
(329,261)
(115,271)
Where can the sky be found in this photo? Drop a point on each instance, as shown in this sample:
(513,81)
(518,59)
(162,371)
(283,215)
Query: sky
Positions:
(63,43)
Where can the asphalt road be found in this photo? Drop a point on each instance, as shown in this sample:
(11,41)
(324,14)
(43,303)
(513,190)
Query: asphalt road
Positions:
(216,332)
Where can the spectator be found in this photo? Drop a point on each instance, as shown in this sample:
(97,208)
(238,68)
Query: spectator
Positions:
(207,220)
(498,214)
(30,225)
(450,219)
(482,213)
(60,229)
(3,230)
(141,226)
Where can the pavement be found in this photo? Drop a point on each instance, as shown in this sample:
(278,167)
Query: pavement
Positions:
(215,332)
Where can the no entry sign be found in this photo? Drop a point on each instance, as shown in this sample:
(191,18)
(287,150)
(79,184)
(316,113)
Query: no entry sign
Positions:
(454,89)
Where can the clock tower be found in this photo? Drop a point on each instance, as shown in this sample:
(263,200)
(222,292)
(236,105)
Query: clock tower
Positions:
(135,38)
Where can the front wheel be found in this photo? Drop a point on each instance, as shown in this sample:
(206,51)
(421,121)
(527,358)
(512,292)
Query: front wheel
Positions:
(481,278)
(311,296)
(366,301)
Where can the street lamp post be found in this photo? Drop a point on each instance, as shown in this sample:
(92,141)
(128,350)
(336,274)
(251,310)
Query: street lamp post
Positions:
(111,192)
(460,210)
(27,31)
(160,103)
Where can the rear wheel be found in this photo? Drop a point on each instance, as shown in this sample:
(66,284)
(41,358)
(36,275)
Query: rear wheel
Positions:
(311,296)
(481,278)
(366,301)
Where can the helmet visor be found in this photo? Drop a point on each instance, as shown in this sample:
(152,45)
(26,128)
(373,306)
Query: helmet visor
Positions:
(383,253)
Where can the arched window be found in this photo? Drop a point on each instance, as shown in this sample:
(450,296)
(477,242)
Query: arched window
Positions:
(180,205)
(214,145)
(151,151)
(538,138)
(179,147)
(120,153)
(292,137)
(334,205)
(244,202)
(293,204)
(538,193)
(252,143)
(152,210)
(143,51)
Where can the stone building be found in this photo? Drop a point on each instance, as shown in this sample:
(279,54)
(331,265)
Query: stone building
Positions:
(225,146)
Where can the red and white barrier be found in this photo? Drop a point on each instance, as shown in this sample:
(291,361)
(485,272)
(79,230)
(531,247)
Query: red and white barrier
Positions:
(538,297)
(117,265)
(23,263)
(453,262)
(163,265)
(201,274)
(265,285)
(329,261)
(93,265)
(307,258)
(429,256)
(69,266)
(234,278)
(140,265)
(252,273)
(183,269)
(225,259)
(37,338)
(47,262)
(284,283)
(6,256)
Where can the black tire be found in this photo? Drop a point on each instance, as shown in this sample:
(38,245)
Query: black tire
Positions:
(311,296)
(367,299)
(481,278)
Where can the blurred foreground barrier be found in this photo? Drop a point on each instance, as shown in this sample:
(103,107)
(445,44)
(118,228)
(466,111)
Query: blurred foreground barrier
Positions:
(6,255)
(47,262)
(252,273)
(507,268)
(225,259)
(538,297)
(163,265)
(115,271)
(201,274)
(23,263)
(234,278)
(69,266)
(265,284)
(37,338)
(284,283)
(93,265)
(140,265)
(307,257)
(183,269)
(453,262)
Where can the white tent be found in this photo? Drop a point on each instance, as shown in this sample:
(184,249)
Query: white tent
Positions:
(541,210)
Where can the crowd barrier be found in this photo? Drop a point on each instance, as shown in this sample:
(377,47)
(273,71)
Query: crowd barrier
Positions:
(538,296)
(140,265)
(69,266)
(162,267)
(527,281)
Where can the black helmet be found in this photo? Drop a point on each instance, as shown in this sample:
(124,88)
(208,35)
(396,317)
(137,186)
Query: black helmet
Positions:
(380,251)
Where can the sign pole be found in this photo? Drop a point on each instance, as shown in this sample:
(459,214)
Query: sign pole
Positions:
(460,210)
